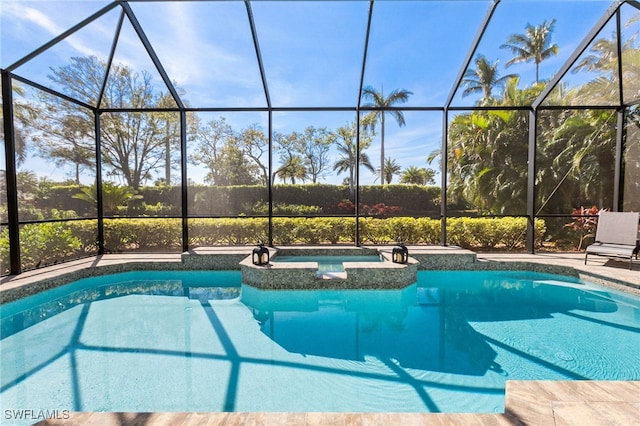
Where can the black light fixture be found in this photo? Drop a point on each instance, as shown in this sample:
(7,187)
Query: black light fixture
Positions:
(400,254)
(260,255)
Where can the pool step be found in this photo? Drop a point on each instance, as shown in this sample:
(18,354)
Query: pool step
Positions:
(331,275)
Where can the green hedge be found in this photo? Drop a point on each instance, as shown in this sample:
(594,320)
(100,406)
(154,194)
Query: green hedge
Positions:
(46,243)
(413,200)
(43,244)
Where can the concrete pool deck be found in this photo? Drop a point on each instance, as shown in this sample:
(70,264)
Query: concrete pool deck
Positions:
(527,402)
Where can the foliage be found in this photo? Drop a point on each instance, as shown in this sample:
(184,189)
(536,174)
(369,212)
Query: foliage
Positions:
(483,79)
(391,169)
(351,153)
(413,175)
(577,159)
(46,243)
(227,231)
(488,155)
(113,196)
(534,45)
(135,145)
(142,234)
(374,98)
(379,209)
(262,208)
(227,154)
(23,116)
(304,156)
(506,233)
(585,221)
(42,244)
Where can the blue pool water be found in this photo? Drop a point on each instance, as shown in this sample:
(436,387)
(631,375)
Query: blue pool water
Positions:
(201,341)
(328,263)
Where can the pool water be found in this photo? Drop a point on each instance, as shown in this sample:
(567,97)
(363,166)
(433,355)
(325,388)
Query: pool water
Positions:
(329,263)
(201,341)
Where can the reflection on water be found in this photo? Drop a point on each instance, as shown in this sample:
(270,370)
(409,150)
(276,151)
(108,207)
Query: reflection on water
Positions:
(432,325)
(201,341)
(196,285)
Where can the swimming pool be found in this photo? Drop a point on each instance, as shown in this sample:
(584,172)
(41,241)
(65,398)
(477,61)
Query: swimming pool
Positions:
(201,341)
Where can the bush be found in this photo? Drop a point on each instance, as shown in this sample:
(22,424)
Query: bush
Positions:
(227,231)
(46,243)
(43,244)
(203,200)
(492,233)
(148,234)
(262,208)
(313,230)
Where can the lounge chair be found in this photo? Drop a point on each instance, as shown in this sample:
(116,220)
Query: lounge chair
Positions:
(616,236)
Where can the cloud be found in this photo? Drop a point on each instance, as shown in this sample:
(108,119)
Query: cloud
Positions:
(204,48)
(40,26)
(38,18)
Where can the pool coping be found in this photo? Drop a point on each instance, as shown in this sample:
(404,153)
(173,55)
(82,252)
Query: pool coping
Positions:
(607,272)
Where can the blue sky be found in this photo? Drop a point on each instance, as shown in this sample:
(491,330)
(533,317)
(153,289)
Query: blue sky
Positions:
(312,53)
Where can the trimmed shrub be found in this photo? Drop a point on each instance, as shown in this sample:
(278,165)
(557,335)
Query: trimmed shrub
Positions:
(227,231)
(148,234)
(428,231)
(43,244)
(46,243)
(492,233)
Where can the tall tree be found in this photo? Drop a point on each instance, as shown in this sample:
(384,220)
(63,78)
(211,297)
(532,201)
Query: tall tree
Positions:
(227,154)
(210,141)
(350,157)
(376,99)
(66,138)
(170,122)
(254,144)
(487,164)
(293,168)
(316,144)
(23,116)
(134,144)
(534,45)
(603,62)
(483,79)
(234,167)
(289,147)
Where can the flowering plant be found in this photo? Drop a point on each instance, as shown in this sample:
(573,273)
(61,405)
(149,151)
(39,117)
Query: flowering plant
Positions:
(378,210)
(585,221)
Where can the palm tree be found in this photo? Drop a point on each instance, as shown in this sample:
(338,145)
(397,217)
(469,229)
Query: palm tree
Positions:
(603,60)
(292,168)
(376,99)
(484,78)
(391,168)
(349,159)
(535,45)
(113,196)
(413,175)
